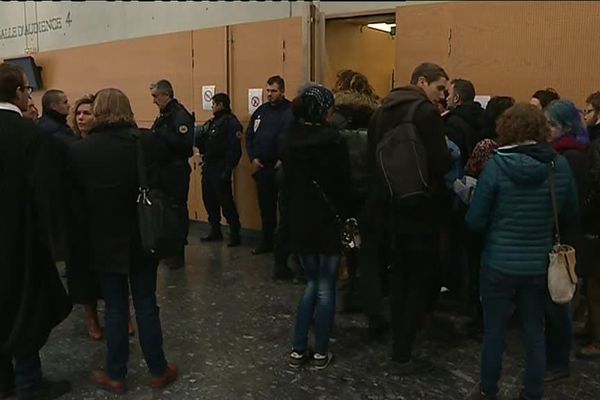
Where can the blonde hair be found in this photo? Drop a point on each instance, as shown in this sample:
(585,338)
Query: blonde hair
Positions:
(112,106)
(72,118)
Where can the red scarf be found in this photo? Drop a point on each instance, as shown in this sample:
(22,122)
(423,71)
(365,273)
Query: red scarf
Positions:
(567,142)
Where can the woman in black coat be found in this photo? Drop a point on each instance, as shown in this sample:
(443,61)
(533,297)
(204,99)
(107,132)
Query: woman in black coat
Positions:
(105,171)
(318,176)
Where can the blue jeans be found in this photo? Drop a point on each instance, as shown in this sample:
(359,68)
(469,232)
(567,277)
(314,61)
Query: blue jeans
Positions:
(559,334)
(499,293)
(115,290)
(318,301)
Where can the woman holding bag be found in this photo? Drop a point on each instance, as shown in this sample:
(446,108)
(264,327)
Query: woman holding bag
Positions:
(317,170)
(512,206)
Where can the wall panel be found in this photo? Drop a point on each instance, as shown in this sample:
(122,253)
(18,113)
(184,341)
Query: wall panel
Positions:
(505,48)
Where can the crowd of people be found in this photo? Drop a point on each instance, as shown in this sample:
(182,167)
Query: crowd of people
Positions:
(421,190)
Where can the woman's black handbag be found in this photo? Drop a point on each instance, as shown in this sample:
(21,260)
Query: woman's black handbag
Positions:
(159,218)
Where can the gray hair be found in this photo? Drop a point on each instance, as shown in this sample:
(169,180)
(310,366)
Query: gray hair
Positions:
(163,86)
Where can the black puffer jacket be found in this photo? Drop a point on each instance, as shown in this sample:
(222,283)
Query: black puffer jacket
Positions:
(462,125)
(316,152)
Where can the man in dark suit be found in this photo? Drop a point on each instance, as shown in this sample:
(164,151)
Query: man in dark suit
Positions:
(32,298)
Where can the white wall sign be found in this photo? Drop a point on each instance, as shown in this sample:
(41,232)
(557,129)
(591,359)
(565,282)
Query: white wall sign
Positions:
(207,94)
(255,99)
(483,100)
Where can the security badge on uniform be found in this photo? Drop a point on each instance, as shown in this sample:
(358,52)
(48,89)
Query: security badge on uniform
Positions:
(183,129)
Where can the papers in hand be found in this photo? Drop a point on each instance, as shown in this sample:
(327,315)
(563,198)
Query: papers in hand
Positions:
(464,188)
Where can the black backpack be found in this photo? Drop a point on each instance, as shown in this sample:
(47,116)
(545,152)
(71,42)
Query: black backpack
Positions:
(358,147)
(402,161)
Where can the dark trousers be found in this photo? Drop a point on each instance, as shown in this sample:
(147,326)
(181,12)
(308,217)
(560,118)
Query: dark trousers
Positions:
(115,290)
(268,192)
(372,261)
(218,196)
(499,293)
(559,335)
(593,301)
(281,251)
(26,373)
(413,271)
(176,183)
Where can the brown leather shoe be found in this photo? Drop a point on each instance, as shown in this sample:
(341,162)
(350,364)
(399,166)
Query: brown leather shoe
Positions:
(169,376)
(105,382)
(91,320)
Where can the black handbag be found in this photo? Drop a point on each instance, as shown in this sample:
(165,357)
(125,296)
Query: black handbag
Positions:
(159,218)
(349,231)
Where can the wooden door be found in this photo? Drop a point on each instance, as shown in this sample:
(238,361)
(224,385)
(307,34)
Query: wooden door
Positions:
(209,68)
(258,51)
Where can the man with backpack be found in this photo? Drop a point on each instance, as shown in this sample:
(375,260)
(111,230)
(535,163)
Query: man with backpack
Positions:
(408,158)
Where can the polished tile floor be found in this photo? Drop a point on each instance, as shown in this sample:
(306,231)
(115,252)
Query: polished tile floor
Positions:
(228,327)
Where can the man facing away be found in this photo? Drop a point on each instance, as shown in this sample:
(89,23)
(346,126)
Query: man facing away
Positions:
(413,229)
(32,298)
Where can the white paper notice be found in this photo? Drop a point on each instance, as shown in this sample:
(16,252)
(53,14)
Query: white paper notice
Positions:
(207,94)
(255,99)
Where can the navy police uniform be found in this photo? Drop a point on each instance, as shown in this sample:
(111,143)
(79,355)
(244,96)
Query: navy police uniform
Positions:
(267,128)
(175,127)
(219,144)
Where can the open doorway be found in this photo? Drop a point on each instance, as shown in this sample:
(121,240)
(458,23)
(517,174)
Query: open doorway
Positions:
(365,44)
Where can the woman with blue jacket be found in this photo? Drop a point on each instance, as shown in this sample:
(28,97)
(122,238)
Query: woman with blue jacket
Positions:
(512,206)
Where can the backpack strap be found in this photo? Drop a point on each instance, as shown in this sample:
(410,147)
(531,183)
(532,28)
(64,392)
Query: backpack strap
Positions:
(412,109)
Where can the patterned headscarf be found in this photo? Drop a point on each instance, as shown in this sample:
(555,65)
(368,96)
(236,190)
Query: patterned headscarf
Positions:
(317,100)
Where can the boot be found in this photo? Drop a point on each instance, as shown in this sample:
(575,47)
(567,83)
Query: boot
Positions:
(234,238)
(215,235)
(92,323)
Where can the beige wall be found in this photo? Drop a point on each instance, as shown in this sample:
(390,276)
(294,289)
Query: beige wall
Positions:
(505,47)
(365,50)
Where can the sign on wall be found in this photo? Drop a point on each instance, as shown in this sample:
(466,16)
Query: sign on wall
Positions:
(254,99)
(56,23)
(207,94)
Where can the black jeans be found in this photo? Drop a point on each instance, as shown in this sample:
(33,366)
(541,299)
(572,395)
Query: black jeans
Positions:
(281,251)
(25,375)
(116,295)
(373,258)
(559,335)
(217,195)
(268,192)
(414,261)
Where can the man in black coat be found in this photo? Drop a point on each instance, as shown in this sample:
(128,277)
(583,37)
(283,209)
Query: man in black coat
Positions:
(463,121)
(175,127)
(414,229)
(32,298)
(55,109)
(219,144)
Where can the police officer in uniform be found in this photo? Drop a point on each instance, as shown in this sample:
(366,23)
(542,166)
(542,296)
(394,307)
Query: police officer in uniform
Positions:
(175,127)
(219,144)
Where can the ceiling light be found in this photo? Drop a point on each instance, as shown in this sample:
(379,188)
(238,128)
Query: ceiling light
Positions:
(383,26)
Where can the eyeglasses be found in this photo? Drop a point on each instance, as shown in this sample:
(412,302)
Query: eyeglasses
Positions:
(27,89)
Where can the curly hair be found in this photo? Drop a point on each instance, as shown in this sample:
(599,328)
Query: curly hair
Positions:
(72,118)
(520,123)
(353,81)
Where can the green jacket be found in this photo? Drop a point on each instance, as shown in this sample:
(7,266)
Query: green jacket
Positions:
(512,206)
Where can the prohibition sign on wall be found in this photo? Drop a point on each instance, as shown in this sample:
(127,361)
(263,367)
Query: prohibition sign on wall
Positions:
(207,94)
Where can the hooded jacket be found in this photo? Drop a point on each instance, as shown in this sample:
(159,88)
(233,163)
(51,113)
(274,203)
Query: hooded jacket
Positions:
(424,217)
(316,152)
(512,206)
(353,110)
(462,125)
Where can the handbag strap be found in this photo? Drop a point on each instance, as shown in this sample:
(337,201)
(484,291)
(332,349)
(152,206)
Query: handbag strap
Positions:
(141,164)
(554,206)
(327,201)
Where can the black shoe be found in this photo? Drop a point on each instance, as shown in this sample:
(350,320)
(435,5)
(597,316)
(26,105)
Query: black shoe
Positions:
(263,249)
(378,329)
(412,367)
(234,239)
(477,394)
(215,235)
(556,375)
(299,358)
(322,361)
(48,390)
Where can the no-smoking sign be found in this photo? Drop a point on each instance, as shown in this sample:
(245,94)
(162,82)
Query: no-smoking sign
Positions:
(208,93)
(254,99)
